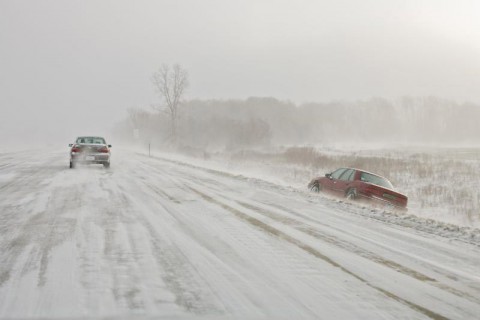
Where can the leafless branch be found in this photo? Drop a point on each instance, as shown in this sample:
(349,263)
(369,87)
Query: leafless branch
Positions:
(170,84)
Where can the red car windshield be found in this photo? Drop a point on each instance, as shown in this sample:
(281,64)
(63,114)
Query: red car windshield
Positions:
(373,179)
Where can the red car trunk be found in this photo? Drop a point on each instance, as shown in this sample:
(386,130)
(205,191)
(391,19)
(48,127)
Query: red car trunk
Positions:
(384,194)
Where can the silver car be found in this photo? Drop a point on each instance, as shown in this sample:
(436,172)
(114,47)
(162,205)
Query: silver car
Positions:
(90,150)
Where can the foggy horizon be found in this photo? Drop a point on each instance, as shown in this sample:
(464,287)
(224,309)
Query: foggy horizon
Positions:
(75,67)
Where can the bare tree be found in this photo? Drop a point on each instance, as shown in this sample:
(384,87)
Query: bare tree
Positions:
(170,83)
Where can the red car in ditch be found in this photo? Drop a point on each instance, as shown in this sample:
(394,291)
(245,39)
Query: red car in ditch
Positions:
(355,184)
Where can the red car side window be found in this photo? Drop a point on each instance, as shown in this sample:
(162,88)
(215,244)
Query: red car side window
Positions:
(337,173)
(347,175)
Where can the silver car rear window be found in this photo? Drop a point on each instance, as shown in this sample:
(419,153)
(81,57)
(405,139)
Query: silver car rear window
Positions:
(91,140)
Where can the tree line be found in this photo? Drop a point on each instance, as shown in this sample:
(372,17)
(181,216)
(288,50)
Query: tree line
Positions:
(265,121)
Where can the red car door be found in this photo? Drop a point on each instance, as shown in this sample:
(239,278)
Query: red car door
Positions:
(330,183)
(342,184)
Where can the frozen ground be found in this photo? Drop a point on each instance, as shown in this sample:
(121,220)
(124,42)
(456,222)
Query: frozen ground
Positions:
(154,237)
(442,183)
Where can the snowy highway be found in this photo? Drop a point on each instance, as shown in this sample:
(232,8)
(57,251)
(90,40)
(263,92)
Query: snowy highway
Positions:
(156,238)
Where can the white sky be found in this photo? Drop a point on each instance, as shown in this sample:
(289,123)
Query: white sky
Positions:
(73,67)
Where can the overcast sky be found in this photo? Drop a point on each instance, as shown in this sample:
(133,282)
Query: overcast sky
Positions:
(74,67)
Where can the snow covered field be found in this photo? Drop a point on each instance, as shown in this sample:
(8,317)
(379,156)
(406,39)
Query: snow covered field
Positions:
(154,237)
(442,183)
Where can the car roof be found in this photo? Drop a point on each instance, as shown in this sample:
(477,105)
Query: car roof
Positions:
(90,137)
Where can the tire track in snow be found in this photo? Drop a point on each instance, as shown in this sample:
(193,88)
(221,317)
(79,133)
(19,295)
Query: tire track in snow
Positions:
(237,266)
(177,272)
(294,264)
(41,230)
(429,265)
(279,234)
(117,250)
(358,250)
(305,228)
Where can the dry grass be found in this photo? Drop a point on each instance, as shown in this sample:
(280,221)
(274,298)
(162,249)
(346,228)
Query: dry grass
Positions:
(437,182)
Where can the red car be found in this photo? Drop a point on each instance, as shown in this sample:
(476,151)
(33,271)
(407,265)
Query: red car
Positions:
(357,184)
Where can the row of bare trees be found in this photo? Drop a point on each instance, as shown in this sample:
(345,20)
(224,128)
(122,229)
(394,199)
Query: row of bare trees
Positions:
(260,121)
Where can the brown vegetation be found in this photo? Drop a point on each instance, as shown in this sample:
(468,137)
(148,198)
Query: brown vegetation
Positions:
(442,181)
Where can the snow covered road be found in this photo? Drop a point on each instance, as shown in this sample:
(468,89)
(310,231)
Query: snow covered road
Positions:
(153,238)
